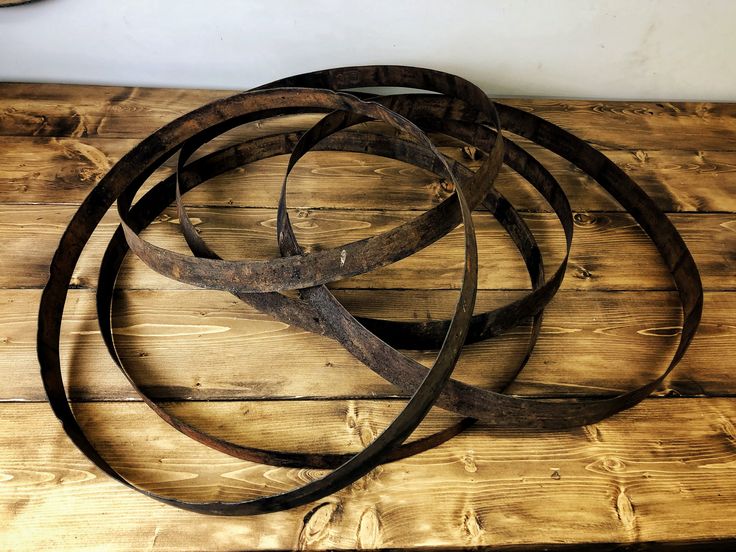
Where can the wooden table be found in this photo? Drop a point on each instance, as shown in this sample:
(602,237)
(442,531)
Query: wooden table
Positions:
(663,472)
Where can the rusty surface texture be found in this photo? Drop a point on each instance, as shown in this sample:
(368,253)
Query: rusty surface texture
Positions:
(446,104)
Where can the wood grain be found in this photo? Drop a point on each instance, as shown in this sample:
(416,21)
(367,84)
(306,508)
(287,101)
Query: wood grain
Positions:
(616,481)
(117,112)
(592,343)
(64,170)
(30,236)
(660,475)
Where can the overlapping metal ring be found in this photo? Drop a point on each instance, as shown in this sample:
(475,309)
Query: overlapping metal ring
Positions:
(449,105)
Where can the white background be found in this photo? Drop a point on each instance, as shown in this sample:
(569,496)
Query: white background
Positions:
(623,49)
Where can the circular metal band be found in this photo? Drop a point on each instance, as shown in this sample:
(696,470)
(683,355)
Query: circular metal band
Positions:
(413,335)
(460,110)
(121,183)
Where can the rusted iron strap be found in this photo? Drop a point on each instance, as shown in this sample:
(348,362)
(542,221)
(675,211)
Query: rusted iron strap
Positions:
(460,107)
(298,313)
(311,322)
(409,334)
(118,185)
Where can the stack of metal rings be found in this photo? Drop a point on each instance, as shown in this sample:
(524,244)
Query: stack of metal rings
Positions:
(445,105)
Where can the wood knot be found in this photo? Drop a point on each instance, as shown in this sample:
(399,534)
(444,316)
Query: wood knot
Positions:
(77,282)
(642,156)
(703,111)
(593,433)
(613,464)
(472,526)
(468,461)
(369,530)
(607,464)
(317,523)
(582,273)
(447,186)
(585,219)
(664,331)
(351,416)
(366,434)
(362,428)
(555,474)
(728,429)
(471,152)
(625,511)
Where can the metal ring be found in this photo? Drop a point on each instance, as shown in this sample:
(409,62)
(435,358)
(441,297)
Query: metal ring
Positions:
(460,108)
(127,175)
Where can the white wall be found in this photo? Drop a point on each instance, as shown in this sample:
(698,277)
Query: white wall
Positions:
(564,48)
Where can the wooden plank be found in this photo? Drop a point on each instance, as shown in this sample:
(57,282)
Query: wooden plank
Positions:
(648,125)
(82,110)
(51,170)
(664,471)
(63,170)
(30,235)
(593,343)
